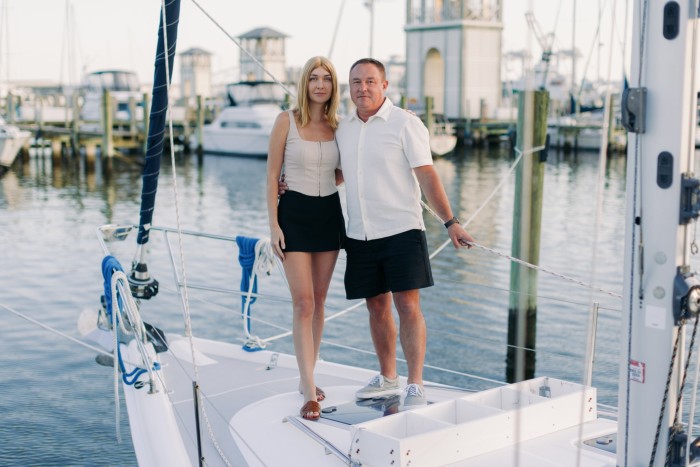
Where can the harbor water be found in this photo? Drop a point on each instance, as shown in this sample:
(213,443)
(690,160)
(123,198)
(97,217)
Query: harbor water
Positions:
(58,404)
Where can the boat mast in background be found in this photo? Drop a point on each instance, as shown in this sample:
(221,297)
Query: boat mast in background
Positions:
(660,294)
(576,108)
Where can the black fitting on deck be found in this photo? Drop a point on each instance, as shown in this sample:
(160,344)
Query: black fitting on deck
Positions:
(142,285)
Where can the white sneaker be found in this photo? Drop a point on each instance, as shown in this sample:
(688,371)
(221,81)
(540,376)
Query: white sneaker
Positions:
(413,396)
(379,386)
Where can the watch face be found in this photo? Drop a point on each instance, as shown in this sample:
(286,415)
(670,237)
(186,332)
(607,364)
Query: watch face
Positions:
(454,220)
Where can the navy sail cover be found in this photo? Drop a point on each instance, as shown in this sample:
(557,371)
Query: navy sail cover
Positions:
(159,109)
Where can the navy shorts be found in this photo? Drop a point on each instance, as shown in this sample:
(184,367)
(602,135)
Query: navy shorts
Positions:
(391,264)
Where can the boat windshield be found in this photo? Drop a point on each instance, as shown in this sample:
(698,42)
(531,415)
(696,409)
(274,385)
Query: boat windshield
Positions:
(112,80)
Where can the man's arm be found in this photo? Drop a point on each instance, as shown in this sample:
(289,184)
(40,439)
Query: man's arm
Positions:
(431,186)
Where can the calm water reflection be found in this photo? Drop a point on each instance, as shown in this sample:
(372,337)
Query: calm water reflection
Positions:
(57,403)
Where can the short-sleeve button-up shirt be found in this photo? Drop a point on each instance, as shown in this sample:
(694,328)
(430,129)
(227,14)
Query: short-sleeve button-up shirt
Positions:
(378,158)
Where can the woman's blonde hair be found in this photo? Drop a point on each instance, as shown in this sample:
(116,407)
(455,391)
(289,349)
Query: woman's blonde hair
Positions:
(331,108)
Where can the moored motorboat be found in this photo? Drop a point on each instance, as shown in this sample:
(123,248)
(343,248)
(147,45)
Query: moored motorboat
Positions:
(12,139)
(442,138)
(243,127)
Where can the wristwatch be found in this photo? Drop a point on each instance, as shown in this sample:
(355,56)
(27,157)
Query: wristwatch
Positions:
(454,220)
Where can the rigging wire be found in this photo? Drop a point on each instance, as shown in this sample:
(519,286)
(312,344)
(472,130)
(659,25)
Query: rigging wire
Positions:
(679,397)
(57,332)
(664,400)
(602,163)
(184,290)
(503,255)
(590,51)
(233,39)
(335,30)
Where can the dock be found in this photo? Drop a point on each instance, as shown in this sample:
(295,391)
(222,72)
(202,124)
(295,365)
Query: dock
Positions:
(121,127)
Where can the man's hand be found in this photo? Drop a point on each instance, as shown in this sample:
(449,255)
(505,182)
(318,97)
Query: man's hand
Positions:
(282,186)
(459,236)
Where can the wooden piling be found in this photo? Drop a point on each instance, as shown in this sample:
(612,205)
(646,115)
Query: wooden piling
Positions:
(132,117)
(107,141)
(56,148)
(90,151)
(200,125)
(186,132)
(429,114)
(75,128)
(611,123)
(11,108)
(24,152)
(527,217)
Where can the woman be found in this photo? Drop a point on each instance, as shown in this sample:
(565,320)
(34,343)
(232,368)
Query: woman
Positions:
(307,228)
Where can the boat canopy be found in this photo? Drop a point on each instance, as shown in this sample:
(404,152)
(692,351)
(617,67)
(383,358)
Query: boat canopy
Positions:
(112,80)
(246,93)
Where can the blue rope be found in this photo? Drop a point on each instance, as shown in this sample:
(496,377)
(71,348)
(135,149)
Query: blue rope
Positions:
(246,257)
(110,265)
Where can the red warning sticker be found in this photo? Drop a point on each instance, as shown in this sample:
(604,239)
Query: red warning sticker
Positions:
(637,371)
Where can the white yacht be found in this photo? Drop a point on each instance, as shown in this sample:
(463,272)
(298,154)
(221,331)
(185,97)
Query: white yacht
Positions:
(243,127)
(124,89)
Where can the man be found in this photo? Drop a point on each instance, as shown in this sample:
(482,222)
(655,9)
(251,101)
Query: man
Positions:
(386,162)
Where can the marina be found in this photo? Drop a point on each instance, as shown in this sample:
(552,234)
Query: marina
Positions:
(107,110)
(564,336)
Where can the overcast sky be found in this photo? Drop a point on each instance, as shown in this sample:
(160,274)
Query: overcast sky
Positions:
(38,42)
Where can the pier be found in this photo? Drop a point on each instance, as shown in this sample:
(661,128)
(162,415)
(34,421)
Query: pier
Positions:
(113,126)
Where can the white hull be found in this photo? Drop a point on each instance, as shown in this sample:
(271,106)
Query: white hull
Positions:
(45,114)
(240,131)
(216,141)
(11,141)
(441,145)
(584,133)
(587,139)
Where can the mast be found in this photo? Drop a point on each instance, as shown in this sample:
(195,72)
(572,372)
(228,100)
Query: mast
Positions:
(659,291)
(573,63)
(141,283)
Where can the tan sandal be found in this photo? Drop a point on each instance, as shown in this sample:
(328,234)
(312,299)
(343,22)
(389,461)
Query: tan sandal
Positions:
(320,395)
(310,408)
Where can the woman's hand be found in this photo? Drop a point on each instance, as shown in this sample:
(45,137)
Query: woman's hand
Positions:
(277,241)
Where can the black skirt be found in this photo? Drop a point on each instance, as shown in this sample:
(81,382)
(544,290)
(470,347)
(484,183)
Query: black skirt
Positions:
(311,223)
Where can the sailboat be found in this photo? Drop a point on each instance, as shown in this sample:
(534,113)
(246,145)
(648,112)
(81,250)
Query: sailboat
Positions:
(194,401)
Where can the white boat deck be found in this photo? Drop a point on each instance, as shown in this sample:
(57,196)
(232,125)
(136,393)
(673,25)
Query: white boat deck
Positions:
(253,416)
